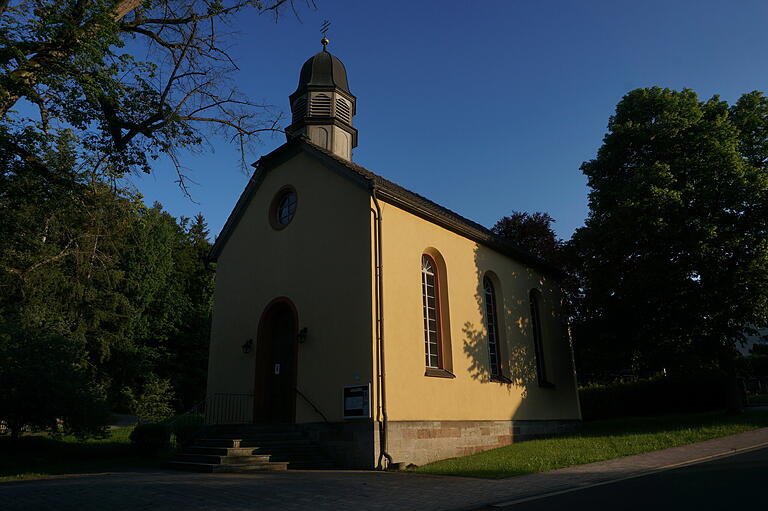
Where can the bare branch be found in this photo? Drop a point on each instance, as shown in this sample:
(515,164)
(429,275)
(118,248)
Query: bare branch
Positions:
(152,35)
(239,128)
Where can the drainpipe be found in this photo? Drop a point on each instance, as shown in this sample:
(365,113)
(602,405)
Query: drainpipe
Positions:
(379,299)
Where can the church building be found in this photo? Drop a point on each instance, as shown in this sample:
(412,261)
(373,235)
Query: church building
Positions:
(385,326)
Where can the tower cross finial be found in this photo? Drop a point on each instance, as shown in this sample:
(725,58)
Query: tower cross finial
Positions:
(324,29)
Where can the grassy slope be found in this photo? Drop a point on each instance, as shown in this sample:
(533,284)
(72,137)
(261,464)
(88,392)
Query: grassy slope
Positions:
(598,441)
(39,456)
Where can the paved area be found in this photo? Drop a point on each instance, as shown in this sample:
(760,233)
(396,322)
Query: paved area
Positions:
(338,490)
(731,482)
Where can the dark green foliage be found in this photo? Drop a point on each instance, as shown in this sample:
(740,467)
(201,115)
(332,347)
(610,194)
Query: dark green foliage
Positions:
(673,260)
(532,232)
(154,402)
(45,384)
(149,439)
(91,92)
(128,285)
(696,392)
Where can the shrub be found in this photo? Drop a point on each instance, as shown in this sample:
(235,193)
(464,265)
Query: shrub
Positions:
(652,396)
(185,427)
(148,439)
(154,402)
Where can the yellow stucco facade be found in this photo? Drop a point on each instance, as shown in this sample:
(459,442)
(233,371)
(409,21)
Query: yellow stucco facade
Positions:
(324,263)
(320,262)
(471,395)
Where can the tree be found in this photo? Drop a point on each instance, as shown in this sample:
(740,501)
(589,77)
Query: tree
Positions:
(82,259)
(674,253)
(45,384)
(75,63)
(531,231)
(128,284)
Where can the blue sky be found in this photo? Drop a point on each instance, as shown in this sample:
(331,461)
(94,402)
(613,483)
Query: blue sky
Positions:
(485,107)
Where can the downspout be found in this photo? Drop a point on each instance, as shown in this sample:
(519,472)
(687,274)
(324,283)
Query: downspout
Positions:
(379,299)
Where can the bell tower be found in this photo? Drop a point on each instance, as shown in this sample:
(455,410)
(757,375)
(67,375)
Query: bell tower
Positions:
(322,107)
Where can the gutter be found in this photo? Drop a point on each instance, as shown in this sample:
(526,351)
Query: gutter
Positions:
(379,299)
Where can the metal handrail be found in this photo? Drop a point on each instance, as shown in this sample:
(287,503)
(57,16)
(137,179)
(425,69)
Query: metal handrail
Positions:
(315,408)
(219,408)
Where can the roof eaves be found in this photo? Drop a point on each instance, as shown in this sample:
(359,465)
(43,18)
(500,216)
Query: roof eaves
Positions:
(388,191)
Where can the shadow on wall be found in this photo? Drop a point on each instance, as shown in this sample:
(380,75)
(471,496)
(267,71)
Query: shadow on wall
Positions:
(512,308)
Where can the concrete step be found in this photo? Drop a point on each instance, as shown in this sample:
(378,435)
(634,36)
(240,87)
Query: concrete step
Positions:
(214,467)
(221,460)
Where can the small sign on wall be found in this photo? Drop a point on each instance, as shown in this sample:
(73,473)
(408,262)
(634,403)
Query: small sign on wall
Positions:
(357,401)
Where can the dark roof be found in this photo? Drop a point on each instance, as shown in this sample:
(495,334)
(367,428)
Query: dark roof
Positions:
(387,191)
(323,70)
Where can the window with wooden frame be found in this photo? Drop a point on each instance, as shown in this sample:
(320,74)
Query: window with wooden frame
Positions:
(431,305)
(538,344)
(492,326)
(437,330)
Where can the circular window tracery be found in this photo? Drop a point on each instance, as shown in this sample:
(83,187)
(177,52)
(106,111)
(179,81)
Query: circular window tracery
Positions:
(283,207)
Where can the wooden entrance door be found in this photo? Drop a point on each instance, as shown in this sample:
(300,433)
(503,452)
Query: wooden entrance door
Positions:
(274,396)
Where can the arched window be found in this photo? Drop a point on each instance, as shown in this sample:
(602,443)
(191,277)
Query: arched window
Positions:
(431,303)
(538,346)
(492,326)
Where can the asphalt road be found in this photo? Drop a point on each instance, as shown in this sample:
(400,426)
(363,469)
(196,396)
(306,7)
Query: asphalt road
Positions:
(735,482)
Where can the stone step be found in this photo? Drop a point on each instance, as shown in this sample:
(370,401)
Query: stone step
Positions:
(272,435)
(222,451)
(245,448)
(285,454)
(248,429)
(214,467)
(266,444)
(222,460)
(217,442)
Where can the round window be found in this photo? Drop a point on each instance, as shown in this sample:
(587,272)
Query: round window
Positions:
(283,207)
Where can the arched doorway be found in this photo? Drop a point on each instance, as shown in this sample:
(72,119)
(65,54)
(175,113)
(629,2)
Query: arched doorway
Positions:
(274,396)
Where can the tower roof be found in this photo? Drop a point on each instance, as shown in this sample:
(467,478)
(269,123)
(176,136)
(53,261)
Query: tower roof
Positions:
(323,70)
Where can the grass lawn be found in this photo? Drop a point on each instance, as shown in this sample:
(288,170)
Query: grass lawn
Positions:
(598,441)
(38,455)
(758,399)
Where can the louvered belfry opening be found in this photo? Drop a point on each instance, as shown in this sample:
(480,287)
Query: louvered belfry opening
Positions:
(299,109)
(343,112)
(321,105)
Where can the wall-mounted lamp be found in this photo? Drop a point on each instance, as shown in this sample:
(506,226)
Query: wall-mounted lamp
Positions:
(302,335)
(247,346)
